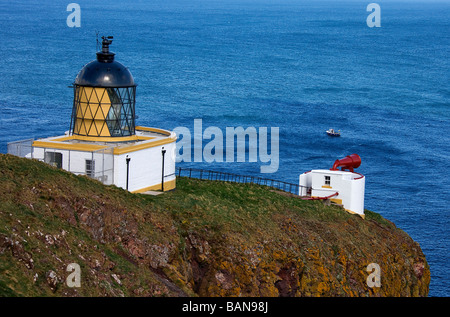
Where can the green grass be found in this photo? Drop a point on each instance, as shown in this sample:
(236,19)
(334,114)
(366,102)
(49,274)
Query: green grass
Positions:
(35,197)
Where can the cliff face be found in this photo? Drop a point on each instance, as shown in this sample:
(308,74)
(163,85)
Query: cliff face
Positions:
(204,238)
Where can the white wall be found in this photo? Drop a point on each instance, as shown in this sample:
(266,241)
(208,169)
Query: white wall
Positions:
(350,187)
(72,161)
(145,167)
(305,182)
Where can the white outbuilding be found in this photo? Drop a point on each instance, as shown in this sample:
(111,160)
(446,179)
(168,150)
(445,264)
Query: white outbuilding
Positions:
(344,187)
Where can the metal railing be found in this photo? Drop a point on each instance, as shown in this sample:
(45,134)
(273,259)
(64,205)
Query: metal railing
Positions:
(102,160)
(22,148)
(236,178)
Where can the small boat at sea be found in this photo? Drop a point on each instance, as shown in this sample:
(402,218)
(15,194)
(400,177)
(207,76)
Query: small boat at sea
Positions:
(332,132)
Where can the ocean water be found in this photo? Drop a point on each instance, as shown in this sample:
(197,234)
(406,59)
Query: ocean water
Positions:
(301,66)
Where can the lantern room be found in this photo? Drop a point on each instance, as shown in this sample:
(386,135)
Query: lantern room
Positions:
(104,97)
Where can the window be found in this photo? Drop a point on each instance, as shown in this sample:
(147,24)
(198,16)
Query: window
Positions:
(328,180)
(54,159)
(103,111)
(90,168)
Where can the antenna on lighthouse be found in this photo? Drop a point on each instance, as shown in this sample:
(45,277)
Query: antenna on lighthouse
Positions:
(96,46)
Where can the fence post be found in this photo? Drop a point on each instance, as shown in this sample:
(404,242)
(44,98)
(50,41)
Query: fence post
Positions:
(128,168)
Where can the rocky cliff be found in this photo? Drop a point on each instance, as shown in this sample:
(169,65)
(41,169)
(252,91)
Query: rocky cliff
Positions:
(203,239)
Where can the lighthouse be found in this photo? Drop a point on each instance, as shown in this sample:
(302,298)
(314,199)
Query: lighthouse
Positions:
(103,141)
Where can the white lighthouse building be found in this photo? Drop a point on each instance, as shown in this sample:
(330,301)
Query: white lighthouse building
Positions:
(344,187)
(103,141)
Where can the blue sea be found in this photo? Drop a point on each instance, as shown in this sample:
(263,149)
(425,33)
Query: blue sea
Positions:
(301,66)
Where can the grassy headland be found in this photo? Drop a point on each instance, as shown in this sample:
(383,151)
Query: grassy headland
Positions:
(205,238)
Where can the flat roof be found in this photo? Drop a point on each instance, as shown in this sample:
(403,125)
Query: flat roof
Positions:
(145,137)
(354,175)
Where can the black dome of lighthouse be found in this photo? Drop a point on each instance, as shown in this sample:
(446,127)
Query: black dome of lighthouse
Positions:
(105,71)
